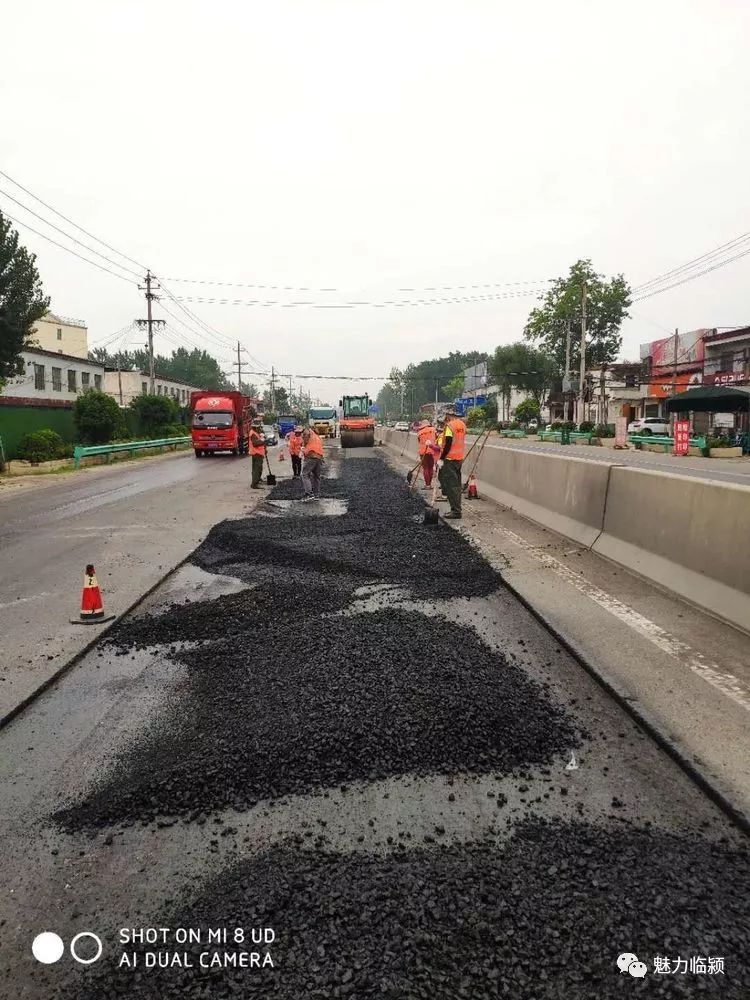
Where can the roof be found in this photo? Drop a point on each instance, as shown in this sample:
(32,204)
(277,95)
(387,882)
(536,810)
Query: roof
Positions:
(735,333)
(61,357)
(63,320)
(165,378)
(710,399)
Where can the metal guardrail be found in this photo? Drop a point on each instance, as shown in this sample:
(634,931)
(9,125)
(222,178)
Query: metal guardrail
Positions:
(573,436)
(81,451)
(666,442)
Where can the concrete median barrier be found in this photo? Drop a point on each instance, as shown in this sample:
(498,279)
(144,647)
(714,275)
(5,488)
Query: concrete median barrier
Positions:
(687,534)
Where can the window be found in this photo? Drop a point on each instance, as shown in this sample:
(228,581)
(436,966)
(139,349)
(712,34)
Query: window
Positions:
(85,380)
(39,377)
(57,379)
(72,380)
(144,388)
(97,381)
(59,334)
(158,390)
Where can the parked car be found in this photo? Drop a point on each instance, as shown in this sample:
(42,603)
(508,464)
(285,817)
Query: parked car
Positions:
(272,438)
(533,423)
(649,425)
(401,425)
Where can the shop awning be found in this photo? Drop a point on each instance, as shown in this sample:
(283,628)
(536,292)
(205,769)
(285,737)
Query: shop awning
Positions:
(713,399)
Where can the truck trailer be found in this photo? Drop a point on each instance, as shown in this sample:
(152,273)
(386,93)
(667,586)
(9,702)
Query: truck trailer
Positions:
(220,421)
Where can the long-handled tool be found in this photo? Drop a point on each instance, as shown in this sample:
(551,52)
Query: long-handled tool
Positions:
(431,514)
(411,476)
(486,435)
(270,478)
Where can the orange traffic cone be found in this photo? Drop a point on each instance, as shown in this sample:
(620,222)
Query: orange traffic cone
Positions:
(472,494)
(92,607)
(281,455)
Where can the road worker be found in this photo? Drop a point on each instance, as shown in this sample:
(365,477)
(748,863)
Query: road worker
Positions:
(312,447)
(451,460)
(257,452)
(294,442)
(426,441)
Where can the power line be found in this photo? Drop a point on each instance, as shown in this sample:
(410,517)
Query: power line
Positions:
(68,250)
(298,288)
(692,277)
(711,254)
(70,221)
(390,303)
(67,235)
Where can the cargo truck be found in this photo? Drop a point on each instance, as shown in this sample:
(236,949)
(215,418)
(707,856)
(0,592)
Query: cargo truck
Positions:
(322,419)
(220,421)
(287,423)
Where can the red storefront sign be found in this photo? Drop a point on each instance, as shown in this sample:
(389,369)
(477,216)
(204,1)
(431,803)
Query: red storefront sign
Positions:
(724,378)
(681,437)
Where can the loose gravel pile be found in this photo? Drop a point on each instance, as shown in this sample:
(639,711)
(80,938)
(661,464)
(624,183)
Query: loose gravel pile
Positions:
(338,699)
(543,919)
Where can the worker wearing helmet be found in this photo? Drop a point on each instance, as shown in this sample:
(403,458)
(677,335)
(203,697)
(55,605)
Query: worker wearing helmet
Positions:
(257,452)
(451,461)
(427,450)
(294,441)
(312,447)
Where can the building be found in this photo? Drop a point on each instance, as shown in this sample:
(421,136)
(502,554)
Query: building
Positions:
(727,357)
(673,364)
(50,375)
(125,385)
(616,390)
(61,335)
(478,388)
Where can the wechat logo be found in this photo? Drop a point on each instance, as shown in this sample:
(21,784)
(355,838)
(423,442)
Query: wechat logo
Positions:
(628,962)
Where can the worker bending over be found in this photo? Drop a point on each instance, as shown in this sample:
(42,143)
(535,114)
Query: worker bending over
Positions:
(313,449)
(257,452)
(451,461)
(294,441)
(426,440)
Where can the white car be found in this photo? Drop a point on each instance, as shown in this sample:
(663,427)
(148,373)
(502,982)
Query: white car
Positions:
(402,425)
(649,425)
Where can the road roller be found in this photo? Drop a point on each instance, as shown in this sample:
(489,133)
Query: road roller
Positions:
(357,425)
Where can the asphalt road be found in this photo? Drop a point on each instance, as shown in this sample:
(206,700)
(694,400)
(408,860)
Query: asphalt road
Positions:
(134,521)
(357,737)
(724,470)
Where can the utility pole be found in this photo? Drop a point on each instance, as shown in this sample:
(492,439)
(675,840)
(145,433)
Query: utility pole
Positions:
(149,322)
(239,368)
(582,380)
(567,386)
(273,389)
(674,370)
(602,407)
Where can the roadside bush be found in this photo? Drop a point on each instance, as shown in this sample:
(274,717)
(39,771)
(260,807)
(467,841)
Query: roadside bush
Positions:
(532,430)
(604,430)
(718,442)
(475,417)
(527,409)
(153,414)
(556,425)
(514,426)
(43,446)
(96,416)
(586,426)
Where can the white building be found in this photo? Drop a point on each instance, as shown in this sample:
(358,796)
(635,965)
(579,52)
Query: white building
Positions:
(125,385)
(61,335)
(52,375)
(477,383)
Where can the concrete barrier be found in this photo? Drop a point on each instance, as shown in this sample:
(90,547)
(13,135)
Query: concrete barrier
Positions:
(687,534)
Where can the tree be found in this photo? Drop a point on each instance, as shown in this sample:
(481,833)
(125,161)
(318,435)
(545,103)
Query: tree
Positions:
(518,366)
(154,413)
(196,367)
(527,409)
(96,416)
(22,300)
(455,387)
(607,304)
(419,382)
(249,389)
(475,416)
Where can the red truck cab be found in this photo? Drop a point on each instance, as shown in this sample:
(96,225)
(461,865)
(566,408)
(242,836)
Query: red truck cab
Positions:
(220,421)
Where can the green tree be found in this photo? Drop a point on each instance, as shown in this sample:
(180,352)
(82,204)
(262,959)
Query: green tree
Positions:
(96,416)
(475,416)
(196,367)
(607,304)
(455,387)
(22,300)
(527,410)
(154,414)
(419,382)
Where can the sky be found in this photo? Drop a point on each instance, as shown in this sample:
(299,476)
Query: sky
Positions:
(369,147)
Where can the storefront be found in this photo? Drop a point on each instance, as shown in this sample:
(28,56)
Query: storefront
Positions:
(703,404)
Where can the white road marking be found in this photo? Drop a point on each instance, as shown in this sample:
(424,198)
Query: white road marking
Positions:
(21,600)
(711,673)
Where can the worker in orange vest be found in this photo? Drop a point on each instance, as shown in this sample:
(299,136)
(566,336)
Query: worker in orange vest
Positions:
(313,450)
(451,461)
(427,448)
(294,441)
(257,452)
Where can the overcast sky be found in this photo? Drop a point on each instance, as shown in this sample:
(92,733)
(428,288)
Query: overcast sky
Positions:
(369,147)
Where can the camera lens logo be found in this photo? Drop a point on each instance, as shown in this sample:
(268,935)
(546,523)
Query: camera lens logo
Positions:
(48,947)
(628,962)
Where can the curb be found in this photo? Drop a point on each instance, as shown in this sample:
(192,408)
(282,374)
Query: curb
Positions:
(65,667)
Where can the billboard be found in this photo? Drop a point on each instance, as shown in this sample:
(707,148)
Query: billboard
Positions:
(689,350)
(662,386)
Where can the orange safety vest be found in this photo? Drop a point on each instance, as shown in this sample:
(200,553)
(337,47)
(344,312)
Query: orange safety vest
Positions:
(295,443)
(257,447)
(457,450)
(314,446)
(425,435)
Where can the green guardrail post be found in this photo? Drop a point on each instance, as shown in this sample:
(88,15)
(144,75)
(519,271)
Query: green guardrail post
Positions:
(565,435)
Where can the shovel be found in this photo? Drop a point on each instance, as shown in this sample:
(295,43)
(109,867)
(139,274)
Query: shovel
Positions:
(411,472)
(270,478)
